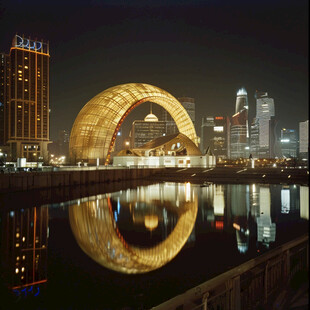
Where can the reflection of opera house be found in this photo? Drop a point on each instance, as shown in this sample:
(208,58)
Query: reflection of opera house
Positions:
(175,150)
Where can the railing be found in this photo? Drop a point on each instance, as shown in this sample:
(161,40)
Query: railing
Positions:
(250,285)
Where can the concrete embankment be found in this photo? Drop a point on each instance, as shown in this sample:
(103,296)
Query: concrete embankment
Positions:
(241,175)
(24,181)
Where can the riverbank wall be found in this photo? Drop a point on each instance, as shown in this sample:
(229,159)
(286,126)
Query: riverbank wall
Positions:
(25,181)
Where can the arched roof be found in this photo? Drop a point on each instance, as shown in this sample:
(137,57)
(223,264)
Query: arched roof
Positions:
(175,142)
(95,128)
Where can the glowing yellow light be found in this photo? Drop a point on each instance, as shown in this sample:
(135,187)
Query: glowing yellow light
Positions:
(17,235)
(97,123)
(23,269)
(16,270)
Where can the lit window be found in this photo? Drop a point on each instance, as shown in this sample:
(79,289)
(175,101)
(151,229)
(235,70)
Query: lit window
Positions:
(20,79)
(16,270)
(26,67)
(17,245)
(17,235)
(218,128)
(24,239)
(24,257)
(20,71)
(23,269)
(17,258)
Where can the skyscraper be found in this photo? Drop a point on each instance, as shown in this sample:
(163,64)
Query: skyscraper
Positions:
(25,98)
(239,130)
(288,143)
(262,131)
(214,135)
(304,139)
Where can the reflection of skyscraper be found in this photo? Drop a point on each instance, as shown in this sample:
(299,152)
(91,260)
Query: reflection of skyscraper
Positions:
(25,248)
(26,106)
(239,132)
(304,202)
(266,230)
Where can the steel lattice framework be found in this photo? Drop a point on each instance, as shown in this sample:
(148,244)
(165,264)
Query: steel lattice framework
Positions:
(95,128)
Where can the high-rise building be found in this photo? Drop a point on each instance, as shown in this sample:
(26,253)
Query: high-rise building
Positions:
(288,143)
(189,105)
(25,99)
(214,135)
(262,128)
(239,128)
(147,130)
(304,139)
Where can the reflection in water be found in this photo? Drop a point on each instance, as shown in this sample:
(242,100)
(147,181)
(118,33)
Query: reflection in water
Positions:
(25,250)
(304,202)
(266,230)
(94,224)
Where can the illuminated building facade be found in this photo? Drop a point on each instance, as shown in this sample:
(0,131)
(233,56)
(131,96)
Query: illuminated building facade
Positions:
(239,129)
(96,126)
(24,244)
(214,135)
(288,143)
(175,150)
(304,140)
(263,127)
(147,130)
(189,104)
(25,96)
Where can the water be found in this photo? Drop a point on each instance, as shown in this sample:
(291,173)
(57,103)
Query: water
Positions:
(136,248)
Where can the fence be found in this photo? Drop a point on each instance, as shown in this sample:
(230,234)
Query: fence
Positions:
(249,285)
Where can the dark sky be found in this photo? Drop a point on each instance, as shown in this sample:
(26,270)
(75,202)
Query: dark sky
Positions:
(202,49)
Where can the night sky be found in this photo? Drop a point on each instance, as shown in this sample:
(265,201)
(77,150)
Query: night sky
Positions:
(202,49)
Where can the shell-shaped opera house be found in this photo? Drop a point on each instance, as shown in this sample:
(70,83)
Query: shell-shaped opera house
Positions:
(96,231)
(95,128)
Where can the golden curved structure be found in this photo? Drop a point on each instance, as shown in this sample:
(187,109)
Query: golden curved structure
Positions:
(96,232)
(95,128)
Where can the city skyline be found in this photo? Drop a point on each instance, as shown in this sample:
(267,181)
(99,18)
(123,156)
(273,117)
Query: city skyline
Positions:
(204,51)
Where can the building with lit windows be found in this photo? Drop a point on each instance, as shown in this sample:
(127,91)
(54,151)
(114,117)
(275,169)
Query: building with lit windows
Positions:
(239,128)
(25,99)
(214,135)
(263,127)
(147,130)
(304,139)
(288,143)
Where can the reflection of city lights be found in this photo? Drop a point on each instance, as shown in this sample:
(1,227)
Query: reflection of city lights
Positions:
(187,191)
(236,226)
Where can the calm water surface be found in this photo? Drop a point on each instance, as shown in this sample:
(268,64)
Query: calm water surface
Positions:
(136,248)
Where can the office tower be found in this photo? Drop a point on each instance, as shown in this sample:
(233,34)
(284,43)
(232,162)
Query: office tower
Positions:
(189,105)
(304,139)
(288,143)
(264,129)
(239,131)
(147,130)
(26,104)
(4,91)
(214,135)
